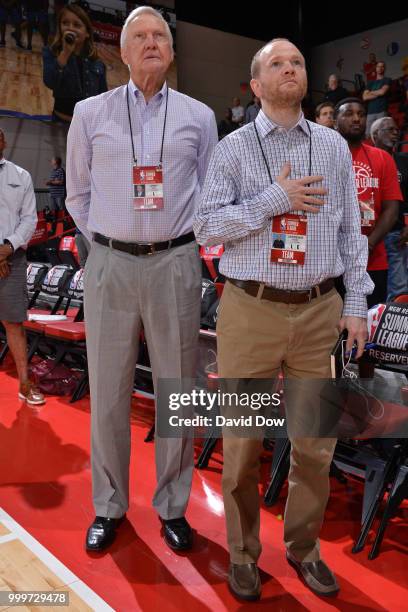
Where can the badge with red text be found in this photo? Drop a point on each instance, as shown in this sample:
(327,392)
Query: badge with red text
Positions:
(367,212)
(148,188)
(289,239)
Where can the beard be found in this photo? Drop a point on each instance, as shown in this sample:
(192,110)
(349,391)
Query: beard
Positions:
(288,98)
(355,138)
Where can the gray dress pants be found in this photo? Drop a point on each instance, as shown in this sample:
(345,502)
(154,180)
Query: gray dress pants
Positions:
(122,292)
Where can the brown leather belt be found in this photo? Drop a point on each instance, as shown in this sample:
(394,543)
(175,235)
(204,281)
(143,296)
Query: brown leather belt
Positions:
(143,248)
(264,292)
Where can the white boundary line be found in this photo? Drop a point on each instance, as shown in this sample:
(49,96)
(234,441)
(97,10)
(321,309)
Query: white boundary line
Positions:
(63,573)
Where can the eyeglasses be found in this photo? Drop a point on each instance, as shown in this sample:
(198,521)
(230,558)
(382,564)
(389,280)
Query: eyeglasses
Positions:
(390,129)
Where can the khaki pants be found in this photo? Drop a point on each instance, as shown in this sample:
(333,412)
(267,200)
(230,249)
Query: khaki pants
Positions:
(256,338)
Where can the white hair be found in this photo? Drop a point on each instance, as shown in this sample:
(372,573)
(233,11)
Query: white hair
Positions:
(144,10)
(375,126)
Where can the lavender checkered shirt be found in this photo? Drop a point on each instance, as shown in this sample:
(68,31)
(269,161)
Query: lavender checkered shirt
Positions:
(100,162)
(238,203)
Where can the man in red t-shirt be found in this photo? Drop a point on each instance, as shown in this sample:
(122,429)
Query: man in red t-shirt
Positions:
(378,190)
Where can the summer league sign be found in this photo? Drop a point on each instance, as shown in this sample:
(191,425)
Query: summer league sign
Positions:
(388,329)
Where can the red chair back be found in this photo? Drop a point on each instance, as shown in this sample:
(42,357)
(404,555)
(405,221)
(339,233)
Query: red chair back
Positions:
(401,299)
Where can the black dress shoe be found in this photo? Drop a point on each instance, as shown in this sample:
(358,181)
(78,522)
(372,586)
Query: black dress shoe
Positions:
(177,533)
(316,575)
(102,532)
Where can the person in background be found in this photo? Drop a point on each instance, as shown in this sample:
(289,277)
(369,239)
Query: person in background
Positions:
(384,134)
(238,112)
(56,184)
(252,110)
(71,67)
(37,18)
(335,91)
(226,125)
(370,68)
(10,11)
(377,187)
(376,95)
(18,220)
(324,114)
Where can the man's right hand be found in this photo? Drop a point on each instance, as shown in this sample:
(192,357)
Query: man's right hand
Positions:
(4,269)
(301,196)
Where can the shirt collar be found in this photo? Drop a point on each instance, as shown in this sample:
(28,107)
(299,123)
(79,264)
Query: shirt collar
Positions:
(137,93)
(266,126)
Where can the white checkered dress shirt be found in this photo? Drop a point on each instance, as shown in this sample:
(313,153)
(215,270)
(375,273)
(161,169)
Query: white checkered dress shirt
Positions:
(238,203)
(100,162)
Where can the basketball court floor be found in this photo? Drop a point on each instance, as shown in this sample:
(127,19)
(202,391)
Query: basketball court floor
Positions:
(45,509)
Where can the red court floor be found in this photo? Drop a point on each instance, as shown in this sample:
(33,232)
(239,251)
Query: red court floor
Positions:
(45,485)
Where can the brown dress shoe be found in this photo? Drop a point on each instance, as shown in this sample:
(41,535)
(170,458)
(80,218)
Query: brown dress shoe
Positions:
(29,393)
(316,575)
(244,581)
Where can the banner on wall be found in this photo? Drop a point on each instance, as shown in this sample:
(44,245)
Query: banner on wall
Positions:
(107,33)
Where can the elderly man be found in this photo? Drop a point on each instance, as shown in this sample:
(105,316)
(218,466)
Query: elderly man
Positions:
(384,134)
(324,114)
(18,220)
(137,157)
(335,91)
(279,309)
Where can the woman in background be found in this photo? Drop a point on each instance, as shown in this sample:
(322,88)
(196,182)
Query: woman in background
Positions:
(71,67)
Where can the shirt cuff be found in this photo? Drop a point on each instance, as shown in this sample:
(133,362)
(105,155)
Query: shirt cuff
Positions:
(355,305)
(15,241)
(277,200)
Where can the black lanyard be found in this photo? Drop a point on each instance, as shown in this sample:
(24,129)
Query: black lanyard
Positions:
(131,131)
(266,161)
